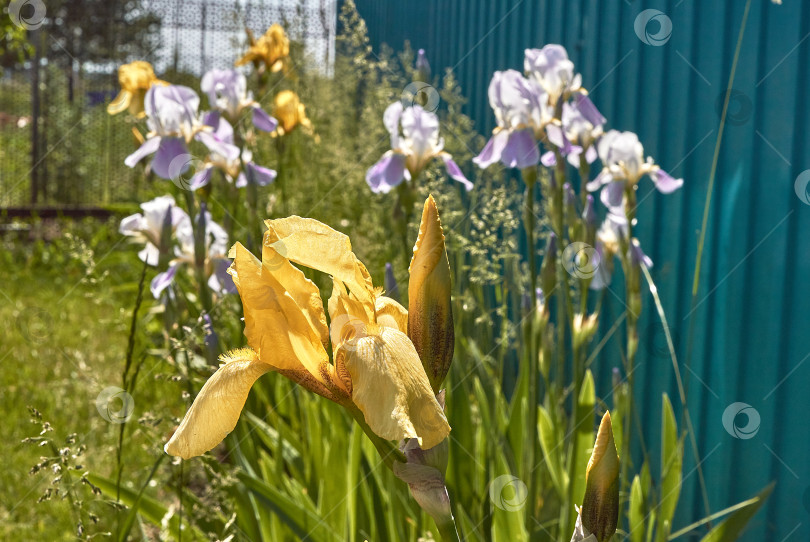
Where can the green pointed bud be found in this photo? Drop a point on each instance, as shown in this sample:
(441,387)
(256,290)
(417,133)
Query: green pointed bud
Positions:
(600,507)
(430,315)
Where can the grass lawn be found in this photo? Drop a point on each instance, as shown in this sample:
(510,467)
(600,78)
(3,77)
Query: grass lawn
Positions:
(66,310)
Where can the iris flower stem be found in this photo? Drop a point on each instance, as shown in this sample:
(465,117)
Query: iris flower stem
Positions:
(530,178)
(449,531)
(388,450)
(633,301)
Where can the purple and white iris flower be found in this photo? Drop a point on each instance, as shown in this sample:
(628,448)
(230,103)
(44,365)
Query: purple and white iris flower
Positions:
(155,227)
(552,69)
(622,156)
(228,94)
(231,166)
(216,260)
(415,142)
(610,237)
(522,111)
(173,122)
(580,127)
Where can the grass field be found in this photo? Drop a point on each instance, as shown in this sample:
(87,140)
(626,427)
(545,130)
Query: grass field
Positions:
(65,338)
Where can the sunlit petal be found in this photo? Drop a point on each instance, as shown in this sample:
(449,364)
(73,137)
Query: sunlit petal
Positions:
(312,244)
(216,409)
(391,388)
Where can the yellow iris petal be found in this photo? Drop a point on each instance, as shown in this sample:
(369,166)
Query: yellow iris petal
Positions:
(216,409)
(135,79)
(390,387)
(120,103)
(391,314)
(276,327)
(315,245)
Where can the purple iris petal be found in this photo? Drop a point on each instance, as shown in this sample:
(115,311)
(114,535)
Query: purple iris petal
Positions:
(612,196)
(602,277)
(455,172)
(521,150)
(220,281)
(549,159)
(591,154)
(150,146)
(223,131)
(162,281)
(201,178)
(262,176)
(149,254)
(241,180)
(589,110)
(216,145)
(391,118)
(666,183)
(492,151)
(172,158)
(602,179)
(263,121)
(637,255)
(387,173)
(131,224)
(211,118)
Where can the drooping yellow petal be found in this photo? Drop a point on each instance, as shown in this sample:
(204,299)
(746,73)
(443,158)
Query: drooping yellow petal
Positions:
(276,327)
(391,314)
(315,245)
(390,387)
(430,315)
(600,506)
(216,409)
(120,103)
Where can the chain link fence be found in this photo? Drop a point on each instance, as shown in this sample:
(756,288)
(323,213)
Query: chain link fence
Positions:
(58,145)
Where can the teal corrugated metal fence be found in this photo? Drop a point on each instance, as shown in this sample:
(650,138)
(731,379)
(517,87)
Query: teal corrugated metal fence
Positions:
(751,335)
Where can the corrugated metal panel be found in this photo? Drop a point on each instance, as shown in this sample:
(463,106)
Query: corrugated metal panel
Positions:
(750,331)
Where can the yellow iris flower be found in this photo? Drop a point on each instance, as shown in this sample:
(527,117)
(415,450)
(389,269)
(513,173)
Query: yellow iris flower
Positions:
(375,370)
(271,49)
(135,79)
(290,112)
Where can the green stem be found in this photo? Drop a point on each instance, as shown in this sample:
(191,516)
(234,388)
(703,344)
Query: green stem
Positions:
(449,531)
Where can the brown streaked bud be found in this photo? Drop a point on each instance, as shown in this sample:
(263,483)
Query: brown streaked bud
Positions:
(600,507)
(430,315)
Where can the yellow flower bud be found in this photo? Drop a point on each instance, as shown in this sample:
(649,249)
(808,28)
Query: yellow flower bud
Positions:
(600,507)
(290,112)
(135,79)
(271,49)
(430,316)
